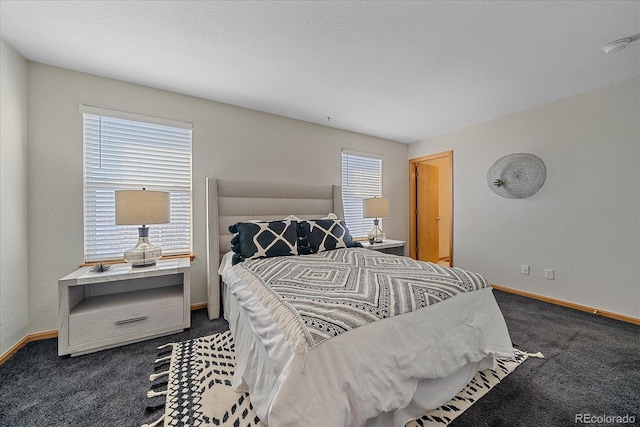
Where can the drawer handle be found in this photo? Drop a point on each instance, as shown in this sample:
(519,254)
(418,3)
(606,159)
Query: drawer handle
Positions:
(135,319)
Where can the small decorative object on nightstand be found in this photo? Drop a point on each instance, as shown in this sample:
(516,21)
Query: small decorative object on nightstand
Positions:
(376,208)
(395,247)
(100,267)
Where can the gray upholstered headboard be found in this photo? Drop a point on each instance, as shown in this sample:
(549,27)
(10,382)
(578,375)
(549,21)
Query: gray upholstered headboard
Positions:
(230,201)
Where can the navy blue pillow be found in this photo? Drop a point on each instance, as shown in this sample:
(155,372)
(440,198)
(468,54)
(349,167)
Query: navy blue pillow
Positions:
(326,234)
(263,239)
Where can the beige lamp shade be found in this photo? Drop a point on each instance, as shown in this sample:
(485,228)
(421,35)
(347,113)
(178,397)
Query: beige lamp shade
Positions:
(375,208)
(142,207)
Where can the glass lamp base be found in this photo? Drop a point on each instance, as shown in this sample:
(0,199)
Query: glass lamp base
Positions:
(376,235)
(144,254)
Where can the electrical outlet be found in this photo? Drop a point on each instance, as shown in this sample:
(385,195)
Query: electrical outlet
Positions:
(525,269)
(548,274)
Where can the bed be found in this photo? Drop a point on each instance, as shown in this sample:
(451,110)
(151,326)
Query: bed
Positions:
(333,370)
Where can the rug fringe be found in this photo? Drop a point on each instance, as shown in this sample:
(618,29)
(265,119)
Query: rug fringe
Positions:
(162,359)
(154,377)
(538,355)
(166,345)
(152,393)
(158,362)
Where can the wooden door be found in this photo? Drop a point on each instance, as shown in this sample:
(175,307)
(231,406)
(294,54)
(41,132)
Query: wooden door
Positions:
(427,210)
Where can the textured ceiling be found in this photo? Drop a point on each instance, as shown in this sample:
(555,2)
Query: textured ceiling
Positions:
(400,70)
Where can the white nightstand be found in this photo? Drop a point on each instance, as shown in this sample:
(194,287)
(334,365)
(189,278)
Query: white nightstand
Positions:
(97,311)
(395,247)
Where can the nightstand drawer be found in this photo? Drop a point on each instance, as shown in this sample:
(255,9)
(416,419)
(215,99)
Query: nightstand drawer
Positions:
(132,314)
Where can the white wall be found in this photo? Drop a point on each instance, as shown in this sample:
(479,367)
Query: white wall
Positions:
(584,222)
(13,196)
(228,142)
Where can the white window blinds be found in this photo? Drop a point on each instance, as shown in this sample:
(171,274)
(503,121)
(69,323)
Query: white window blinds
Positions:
(125,151)
(361,179)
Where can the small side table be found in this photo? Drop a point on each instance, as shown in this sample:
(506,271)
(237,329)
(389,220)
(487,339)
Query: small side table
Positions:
(122,305)
(388,246)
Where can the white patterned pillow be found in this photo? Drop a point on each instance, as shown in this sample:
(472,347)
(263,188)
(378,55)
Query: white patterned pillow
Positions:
(264,239)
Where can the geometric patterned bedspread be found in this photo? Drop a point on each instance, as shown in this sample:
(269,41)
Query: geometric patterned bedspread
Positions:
(323,295)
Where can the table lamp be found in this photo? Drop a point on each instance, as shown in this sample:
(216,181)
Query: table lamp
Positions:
(142,207)
(376,208)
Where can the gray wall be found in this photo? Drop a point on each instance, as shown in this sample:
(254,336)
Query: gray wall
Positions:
(584,222)
(13,197)
(228,142)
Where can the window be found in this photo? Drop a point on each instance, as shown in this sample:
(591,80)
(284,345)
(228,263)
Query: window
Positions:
(361,179)
(124,151)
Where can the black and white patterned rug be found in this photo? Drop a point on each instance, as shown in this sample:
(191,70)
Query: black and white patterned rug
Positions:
(196,386)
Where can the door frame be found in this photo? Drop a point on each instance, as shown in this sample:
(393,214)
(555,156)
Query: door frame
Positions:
(413,201)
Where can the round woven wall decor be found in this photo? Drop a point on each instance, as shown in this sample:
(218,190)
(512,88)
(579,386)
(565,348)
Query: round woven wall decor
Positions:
(517,176)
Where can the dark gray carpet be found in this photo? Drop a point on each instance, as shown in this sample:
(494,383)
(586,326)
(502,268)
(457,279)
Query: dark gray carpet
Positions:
(108,388)
(592,366)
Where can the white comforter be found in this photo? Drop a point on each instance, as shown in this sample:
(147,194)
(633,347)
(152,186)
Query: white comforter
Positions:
(382,374)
